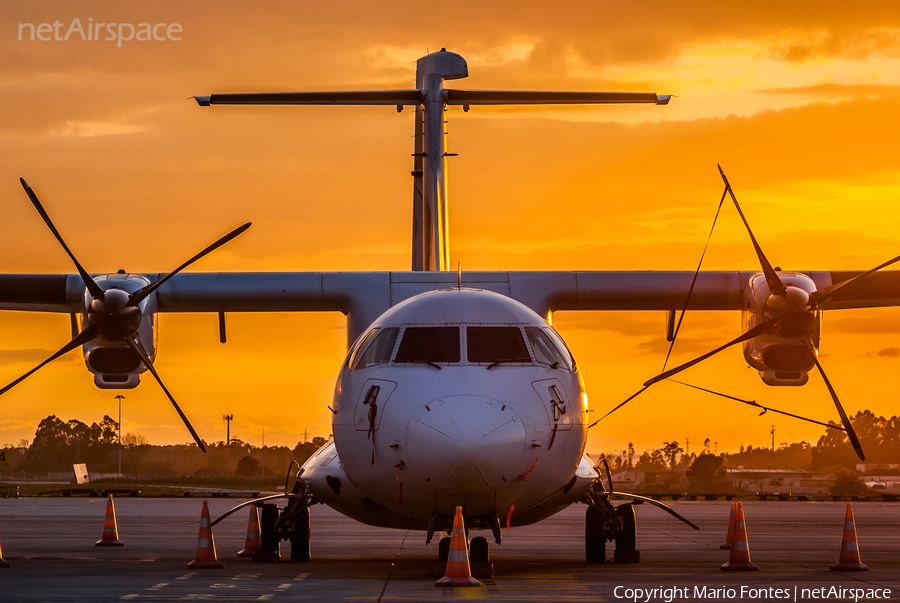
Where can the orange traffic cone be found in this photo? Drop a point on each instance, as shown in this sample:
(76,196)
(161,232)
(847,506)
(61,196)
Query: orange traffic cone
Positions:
(205,557)
(739,559)
(252,542)
(2,562)
(729,536)
(458,571)
(849,560)
(110,535)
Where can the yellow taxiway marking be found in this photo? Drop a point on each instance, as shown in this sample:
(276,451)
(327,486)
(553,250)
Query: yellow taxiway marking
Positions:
(472,592)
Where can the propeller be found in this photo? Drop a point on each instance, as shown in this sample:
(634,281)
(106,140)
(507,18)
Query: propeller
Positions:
(790,313)
(115,315)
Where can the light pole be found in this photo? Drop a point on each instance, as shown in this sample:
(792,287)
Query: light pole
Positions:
(227,419)
(120,397)
(773,447)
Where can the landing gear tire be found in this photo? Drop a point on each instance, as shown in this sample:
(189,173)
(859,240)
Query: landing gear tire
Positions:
(444,549)
(300,538)
(626,542)
(478,550)
(480,558)
(594,536)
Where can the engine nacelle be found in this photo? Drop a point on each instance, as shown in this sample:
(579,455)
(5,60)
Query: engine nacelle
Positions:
(780,361)
(114,364)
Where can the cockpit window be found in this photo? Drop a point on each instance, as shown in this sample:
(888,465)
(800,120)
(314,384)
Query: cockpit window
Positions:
(496,344)
(379,351)
(429,344)
(568,358)
(360,346)
(545,350)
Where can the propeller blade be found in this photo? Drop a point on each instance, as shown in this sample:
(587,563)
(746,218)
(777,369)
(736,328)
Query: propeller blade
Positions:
(760,329)
(687,299)
(82,338)
(139,295)
(775,284)
(817,297)
(92,287)
(837,403)
(138,348)
(758,405)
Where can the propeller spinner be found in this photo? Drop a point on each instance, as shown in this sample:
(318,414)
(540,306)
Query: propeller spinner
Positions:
(115,315)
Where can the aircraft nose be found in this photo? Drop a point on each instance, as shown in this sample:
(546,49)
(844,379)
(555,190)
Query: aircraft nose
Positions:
(466,445)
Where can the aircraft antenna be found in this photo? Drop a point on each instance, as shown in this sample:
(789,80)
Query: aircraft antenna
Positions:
(459,276)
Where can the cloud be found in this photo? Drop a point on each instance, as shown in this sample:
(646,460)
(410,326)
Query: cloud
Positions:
(30,356)
(891,352)
(832,90)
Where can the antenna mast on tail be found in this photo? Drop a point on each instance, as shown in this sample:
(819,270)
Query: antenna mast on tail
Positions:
(431,232)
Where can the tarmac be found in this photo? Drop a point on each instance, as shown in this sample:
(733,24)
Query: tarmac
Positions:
(50,546)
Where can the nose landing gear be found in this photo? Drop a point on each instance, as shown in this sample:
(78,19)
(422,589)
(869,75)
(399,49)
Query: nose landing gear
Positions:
(479,556)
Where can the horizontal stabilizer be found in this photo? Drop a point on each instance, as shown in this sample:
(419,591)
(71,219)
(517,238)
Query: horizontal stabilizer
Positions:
(549,97)
(344,97)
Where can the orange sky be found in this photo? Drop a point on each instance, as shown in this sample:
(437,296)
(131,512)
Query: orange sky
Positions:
(797,102)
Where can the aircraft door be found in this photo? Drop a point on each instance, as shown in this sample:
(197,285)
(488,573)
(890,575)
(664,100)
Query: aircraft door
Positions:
(561,410)
(373,398)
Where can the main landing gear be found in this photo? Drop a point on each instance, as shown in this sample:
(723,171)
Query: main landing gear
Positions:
(602,523)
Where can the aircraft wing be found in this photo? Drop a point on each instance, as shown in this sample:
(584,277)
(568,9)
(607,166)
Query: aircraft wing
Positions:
(363,296)
(456,96)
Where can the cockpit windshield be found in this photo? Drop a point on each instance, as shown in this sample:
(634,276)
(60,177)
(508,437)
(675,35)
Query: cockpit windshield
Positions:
(429,344)
(545,351)
(496,345)
(379,351)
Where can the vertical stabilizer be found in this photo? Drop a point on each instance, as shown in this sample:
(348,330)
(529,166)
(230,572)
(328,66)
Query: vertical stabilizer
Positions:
(431,229)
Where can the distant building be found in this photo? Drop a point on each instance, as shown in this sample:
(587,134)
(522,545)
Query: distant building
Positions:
(866,467)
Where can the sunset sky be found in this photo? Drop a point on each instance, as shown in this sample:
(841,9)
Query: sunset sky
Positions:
(797,101)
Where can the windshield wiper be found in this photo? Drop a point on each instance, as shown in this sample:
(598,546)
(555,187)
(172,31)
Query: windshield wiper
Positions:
(428,362)
(506,360)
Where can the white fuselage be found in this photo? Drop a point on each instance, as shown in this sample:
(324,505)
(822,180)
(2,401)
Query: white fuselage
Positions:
(500,442)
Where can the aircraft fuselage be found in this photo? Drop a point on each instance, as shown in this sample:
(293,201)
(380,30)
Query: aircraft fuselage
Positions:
(493,420)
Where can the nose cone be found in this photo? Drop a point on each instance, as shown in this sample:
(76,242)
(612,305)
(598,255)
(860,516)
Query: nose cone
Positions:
(465,445)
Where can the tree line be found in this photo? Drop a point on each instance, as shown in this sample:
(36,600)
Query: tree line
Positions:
(58,444)
(879,436)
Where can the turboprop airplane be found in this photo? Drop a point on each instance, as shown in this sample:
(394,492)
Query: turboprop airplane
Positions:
(456,390)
